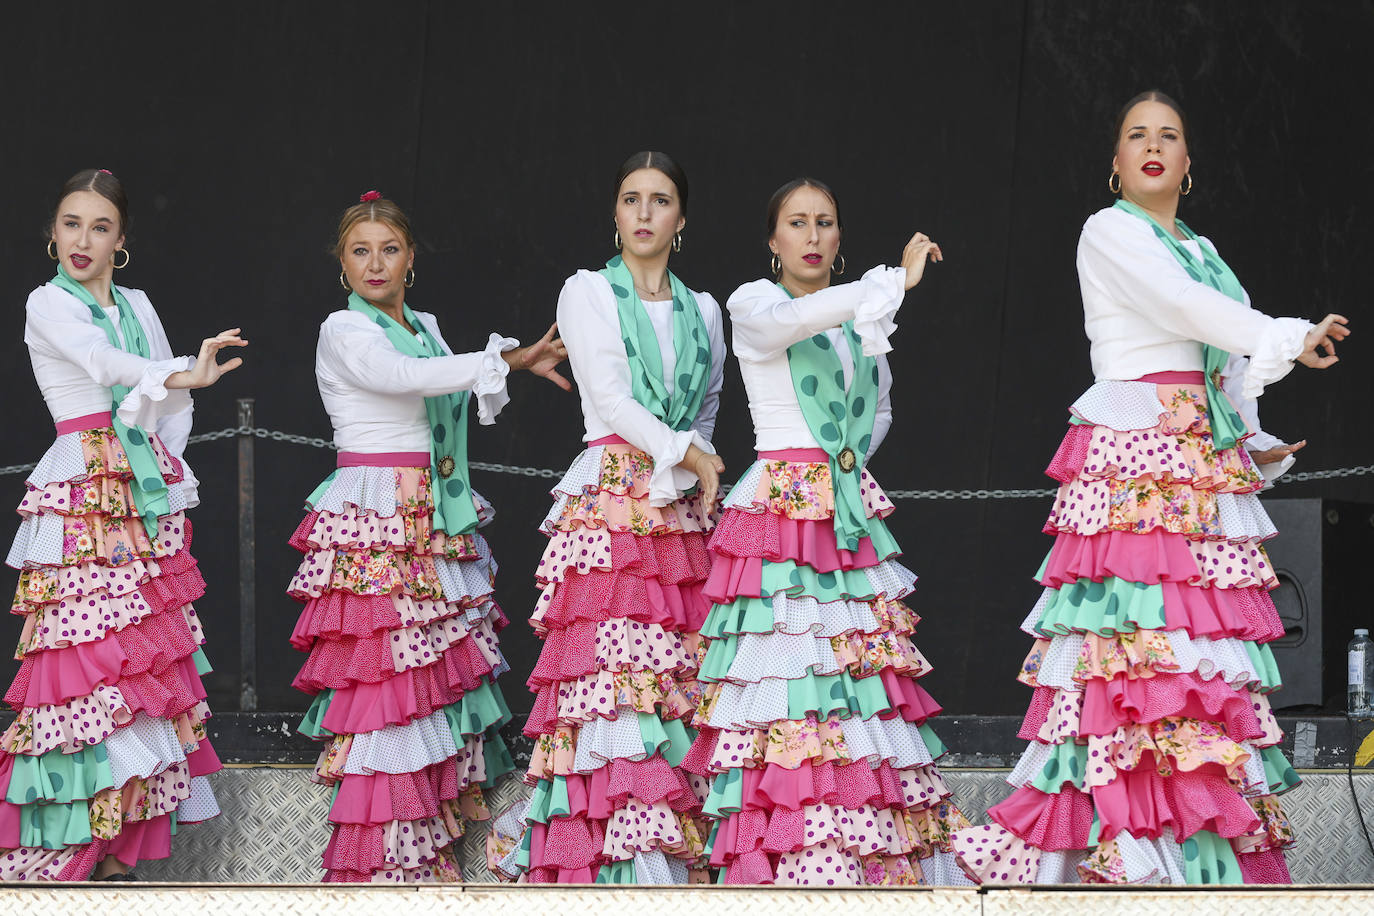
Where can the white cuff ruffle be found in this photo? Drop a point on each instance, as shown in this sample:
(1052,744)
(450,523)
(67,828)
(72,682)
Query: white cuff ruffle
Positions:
(880,296)
(151,400)
(1273,358)
(490,389)
(669,482)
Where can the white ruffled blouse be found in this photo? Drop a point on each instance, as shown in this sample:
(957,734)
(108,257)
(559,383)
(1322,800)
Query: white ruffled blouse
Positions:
(589,323)
(374,394)
(1144,314)
(766,321)
(75,366)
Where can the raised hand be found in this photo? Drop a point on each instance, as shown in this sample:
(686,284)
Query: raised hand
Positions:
(1324,336)
(918,252)
(542,357)
(207,370)
(1277,453)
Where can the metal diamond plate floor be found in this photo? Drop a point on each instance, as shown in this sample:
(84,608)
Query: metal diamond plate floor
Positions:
(273,827)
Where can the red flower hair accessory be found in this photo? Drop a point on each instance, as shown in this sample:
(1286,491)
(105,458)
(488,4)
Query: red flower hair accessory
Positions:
(370,196)
(107,171)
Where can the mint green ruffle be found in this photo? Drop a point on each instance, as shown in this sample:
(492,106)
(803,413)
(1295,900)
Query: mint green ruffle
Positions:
(1278,772)
(201,662)
(1209,859)
(1106,608)
(726,796)
(55,826)
(826,694)
(795,581)
(617,872)
(549,800)
(496,758)
(312,723)
(1068,764)
(58,778)
(478,710)
(1262,657)
(743,615)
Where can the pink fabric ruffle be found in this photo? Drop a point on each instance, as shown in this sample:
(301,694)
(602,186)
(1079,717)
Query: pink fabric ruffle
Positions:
(774,537)
(849,785)
(671,557)
(1268,867)
(1142,802)
(377,798)
(1108,704)
(601,596)
(340,614)
(138,841)
(58,675)
(409,695)
(586,647)
(1072,453)
(1154,557)
(565,849)
(909,698)
(1050,822)
(369,660)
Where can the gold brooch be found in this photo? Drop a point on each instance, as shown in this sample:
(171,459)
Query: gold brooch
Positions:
(846,460)
(446,466)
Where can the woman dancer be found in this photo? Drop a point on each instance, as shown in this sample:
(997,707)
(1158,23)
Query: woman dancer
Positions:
(1153,752)
(108,753)
(399,619)
(813,725)
(622,574)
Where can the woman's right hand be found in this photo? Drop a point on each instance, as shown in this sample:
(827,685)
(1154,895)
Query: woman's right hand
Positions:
(708,468)
(1324,336)
(917,253)
(206,370)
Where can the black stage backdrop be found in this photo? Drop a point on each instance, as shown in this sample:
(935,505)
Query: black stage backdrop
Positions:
(242,130)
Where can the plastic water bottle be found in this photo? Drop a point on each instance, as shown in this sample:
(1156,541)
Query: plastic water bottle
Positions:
(1359,675)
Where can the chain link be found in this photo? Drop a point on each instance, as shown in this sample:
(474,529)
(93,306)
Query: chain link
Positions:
(259,432)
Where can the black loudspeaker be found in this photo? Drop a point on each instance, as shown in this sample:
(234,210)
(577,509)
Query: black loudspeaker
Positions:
(1319,556)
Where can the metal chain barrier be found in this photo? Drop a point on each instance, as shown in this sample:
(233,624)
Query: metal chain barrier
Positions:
(230,432)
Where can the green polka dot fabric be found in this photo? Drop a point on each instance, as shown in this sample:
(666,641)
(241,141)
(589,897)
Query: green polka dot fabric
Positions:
(839,420)
(1227,425)
(148,488)
(454,510)
(693,360)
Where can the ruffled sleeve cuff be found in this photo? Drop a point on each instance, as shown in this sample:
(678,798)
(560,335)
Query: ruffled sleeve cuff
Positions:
(669,482)
(1273,472)
(880,296)
(190,484)
(490,389)
(1273,358)
(151,400)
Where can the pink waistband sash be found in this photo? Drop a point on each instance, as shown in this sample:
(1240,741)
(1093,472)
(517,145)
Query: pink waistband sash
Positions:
(794,454)
(1174,377)
(383,460)
(607,440)
(81,424)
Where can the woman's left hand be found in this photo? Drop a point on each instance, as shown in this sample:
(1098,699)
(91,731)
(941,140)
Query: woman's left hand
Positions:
(542,357)
(1277,453)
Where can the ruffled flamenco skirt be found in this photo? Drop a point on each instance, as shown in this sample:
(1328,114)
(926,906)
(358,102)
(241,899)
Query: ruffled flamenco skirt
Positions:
(108,753)
(620,605)
(813,728)
(401,630)
(1152,752)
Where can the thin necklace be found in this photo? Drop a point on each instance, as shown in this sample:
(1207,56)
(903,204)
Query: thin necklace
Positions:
(651,292)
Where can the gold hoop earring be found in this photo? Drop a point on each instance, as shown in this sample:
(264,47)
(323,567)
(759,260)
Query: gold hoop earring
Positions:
(343,281)
(617,240)
(841,269)
(52,249)
(127,258)
(1115,189)
(1184,192)
(776,265)
(677,241)
(409,281)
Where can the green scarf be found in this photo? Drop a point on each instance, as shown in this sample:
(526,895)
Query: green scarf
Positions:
(1227,426)
(454,511)
(148,488)
(690,344)
(841,421)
